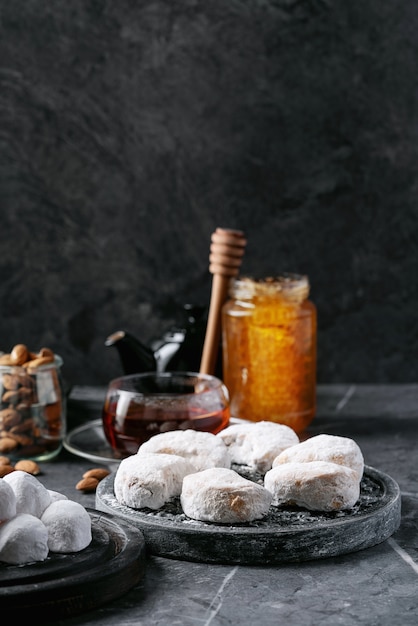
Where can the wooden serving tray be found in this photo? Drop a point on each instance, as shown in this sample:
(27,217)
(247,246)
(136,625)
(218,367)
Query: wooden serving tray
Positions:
(69,584)
(285,535)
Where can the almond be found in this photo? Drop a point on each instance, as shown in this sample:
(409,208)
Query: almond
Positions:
(7,444)
(10,381)
(4,460)
(87,484)
(6,469)
(26,426)
(46,352)
(9,418)
(6,359)
(31,467)
(42,360)
(11,396)
(97,472)
(26,381)
(19,354)
(21,439)
(26,393)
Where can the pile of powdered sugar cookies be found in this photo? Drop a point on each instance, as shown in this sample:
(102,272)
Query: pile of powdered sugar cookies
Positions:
(322,473)
(35,521)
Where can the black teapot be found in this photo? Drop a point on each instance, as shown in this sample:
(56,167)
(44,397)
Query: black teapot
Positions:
(179,349)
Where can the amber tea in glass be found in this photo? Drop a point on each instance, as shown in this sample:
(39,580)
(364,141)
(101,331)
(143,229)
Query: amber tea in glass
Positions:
(139,406)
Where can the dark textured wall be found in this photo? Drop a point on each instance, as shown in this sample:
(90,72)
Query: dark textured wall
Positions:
(130,130)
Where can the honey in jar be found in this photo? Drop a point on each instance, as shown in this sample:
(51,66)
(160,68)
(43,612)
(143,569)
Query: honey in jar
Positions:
(269,332)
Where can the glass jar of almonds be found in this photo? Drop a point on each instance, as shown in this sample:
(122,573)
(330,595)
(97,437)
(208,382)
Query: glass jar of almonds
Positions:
(32,404)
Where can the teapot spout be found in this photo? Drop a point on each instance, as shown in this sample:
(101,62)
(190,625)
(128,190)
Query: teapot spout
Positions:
(134,356)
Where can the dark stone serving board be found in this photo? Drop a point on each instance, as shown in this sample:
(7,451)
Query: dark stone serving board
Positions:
(285,535)
(68,584)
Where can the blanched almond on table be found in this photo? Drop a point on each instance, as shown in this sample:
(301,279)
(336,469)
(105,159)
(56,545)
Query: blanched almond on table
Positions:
(87,484)
(26,465)
(96,472)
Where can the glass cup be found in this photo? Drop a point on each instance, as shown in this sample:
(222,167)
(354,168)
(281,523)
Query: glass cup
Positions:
(139,406)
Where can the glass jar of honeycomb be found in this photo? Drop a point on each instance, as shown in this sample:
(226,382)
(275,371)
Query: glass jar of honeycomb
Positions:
(269,332)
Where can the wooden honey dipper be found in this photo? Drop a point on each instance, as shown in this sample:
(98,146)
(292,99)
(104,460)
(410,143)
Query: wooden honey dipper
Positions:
(226,252)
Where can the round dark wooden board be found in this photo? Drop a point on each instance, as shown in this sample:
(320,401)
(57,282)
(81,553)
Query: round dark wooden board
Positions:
(69,584)
(285,535)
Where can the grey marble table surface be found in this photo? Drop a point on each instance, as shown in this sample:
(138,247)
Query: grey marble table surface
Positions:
(376,586)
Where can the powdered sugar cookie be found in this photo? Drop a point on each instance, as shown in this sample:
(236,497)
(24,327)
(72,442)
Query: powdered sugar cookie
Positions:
(68,525)
(315,485)
(23,539)
(149,480)
(31,495)
(257,444)
(332,448)
(222,496)
(57,495)
(203,449)
(7,501)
